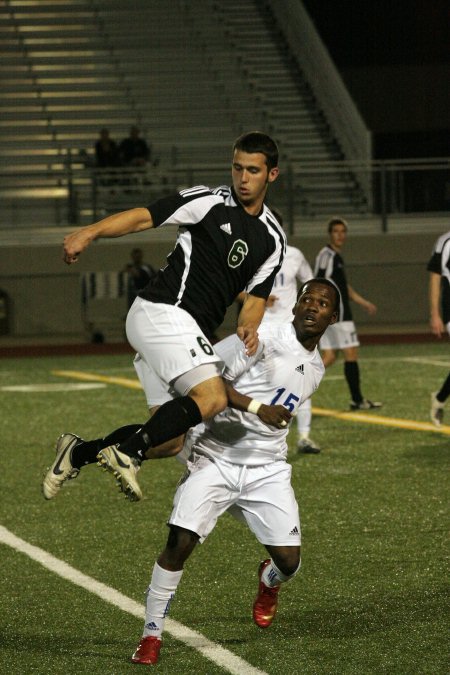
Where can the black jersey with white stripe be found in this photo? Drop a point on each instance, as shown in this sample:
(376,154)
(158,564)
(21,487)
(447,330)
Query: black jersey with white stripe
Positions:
(220,251)
(330,265)
(439,263)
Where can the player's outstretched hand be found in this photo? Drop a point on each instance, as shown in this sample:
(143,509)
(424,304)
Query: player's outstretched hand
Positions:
(437,326)
(249,337)
(275,415)
(370,308)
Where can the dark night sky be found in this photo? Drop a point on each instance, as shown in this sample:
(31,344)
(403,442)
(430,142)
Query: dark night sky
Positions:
(394,56)
(368,32)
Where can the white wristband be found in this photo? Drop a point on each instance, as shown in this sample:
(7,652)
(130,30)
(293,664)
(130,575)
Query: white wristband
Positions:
(254,406)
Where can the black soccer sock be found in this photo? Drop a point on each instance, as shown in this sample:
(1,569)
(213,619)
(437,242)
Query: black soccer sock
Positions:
(172,419)
(444,391)
(351,372)
(119,435)
(85,452)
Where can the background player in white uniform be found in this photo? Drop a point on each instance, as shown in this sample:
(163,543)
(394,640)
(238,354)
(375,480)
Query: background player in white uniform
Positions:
(439,301)
(294,270)
(238,461)
(343,336)
(228,240)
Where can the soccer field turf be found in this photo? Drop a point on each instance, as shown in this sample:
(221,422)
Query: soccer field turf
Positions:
(371,596)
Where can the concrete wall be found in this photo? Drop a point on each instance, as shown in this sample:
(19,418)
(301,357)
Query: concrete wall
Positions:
(45,294)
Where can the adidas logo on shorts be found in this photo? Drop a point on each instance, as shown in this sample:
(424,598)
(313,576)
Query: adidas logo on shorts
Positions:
(300,369)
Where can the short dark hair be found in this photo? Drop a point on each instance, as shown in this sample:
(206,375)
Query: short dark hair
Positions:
(256,141)
(324,282)
(336,221)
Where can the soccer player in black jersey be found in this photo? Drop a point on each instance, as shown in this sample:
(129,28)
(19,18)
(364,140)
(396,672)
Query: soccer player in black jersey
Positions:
(228,241)
(439,300)
(342,335)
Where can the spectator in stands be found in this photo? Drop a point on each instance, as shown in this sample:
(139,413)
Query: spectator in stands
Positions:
(106,151)
(439,299)
(139,274)
(134,151)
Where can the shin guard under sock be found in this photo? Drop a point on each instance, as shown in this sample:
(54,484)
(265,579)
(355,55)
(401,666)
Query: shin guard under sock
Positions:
(351,372)
(272,576)
(160,594)
(85,452)
(444,391)
(304,415)
(172,419)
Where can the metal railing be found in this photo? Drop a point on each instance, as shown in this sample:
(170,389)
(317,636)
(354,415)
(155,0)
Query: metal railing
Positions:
(305,193)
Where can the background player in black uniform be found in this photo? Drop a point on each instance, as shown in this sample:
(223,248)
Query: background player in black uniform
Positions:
(342,335)
(228,241)
(439,298)
(139,274)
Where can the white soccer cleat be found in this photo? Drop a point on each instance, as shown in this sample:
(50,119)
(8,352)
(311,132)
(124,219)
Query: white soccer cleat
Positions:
(365,404)
(62,468)
(307,446)
(436,411)
(124,468)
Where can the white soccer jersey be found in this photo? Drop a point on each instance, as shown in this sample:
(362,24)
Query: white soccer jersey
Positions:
(283,372)
(295,268)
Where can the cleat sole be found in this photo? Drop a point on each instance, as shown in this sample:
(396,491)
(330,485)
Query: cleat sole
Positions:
(126,489)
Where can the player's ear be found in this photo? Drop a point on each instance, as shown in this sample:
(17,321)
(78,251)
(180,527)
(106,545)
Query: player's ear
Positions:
(273,174)
(334,317)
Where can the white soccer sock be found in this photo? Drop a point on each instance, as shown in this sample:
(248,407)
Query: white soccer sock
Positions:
(272,576)
(304,416)
(159,596)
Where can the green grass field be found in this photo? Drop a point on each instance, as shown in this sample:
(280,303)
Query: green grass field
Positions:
(371,594)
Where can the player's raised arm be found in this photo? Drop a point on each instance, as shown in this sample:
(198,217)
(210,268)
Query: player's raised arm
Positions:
(249,319)
(358,298)
(116,225)
(434,292)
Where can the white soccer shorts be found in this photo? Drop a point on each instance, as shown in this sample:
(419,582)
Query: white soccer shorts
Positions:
(260,496)
(340,336)
(169,343)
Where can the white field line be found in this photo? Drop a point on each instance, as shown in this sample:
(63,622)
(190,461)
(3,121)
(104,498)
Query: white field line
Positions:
(52,387)
(425,361)
(212,651)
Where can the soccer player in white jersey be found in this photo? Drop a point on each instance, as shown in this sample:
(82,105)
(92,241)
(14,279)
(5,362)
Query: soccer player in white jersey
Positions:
(295,269)
(343,336)
(237,460)
(228,240)
(439,301)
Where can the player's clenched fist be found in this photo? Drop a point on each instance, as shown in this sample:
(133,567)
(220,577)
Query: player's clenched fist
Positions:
(74,244)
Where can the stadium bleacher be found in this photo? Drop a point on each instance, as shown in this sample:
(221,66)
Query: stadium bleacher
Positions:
(177,70)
